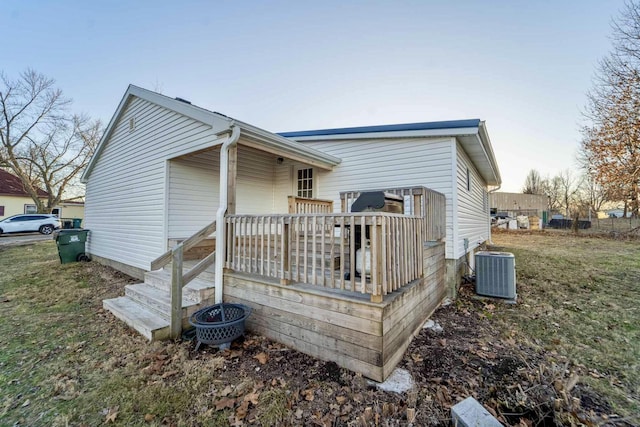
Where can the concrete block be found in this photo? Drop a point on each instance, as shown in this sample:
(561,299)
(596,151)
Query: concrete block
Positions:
(470,413)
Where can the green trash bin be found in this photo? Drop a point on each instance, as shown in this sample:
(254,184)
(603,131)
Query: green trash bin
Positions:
(77,222)
(71,245)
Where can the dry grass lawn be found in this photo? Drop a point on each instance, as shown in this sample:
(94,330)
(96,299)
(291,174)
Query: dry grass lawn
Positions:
(580,298)
(572,343)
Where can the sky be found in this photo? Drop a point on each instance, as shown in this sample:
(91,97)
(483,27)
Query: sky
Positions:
(524,67)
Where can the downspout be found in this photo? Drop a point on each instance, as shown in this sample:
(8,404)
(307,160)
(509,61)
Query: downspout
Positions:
(222,210)
(488,198)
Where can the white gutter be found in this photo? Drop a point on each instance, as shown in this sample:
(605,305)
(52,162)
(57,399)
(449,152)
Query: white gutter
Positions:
(224,200)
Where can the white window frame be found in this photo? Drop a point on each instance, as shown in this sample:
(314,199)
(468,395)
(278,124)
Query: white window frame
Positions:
(305,182)
(28,207)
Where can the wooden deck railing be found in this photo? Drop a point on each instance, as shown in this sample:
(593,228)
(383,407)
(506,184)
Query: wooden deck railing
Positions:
(180,279)
(303,205)
(321,249)
(418,201)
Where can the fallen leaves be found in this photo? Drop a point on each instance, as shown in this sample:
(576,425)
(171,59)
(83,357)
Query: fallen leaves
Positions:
(252,397)
(112,414)
(308,394)
(226,391)
(240,399)
(225,402)
(262,358)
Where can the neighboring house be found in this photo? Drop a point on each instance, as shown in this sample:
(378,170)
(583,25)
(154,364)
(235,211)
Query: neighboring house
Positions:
(69,210)
(14,199)
(515,204)
(342,286)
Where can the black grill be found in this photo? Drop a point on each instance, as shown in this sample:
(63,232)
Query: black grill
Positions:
(378,201)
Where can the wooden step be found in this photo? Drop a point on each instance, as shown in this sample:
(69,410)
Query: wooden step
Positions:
(138,317)
(158,300)
(198,289)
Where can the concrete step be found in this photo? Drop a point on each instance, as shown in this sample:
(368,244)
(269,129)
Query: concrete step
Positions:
(158,300)
(139,317)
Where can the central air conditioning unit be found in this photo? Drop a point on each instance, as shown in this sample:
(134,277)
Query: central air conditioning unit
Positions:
(496,274)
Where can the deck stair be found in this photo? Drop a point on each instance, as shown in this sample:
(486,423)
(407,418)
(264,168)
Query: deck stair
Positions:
(146,306)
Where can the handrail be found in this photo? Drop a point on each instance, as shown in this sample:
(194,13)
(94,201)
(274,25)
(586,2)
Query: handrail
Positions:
(301,205)
(201,266)
(187,244)
(420,201)
(375,253)
(178,279)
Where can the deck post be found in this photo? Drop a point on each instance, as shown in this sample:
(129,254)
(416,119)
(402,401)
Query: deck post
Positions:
(176,293)
(377,261)
(285,278)
(417,204)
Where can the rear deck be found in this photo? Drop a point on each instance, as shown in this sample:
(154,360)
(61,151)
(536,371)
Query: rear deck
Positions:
(342,326)
(351,288)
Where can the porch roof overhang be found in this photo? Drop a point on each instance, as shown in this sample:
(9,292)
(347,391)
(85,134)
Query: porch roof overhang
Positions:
(251,135)
(472,135)
(273,143)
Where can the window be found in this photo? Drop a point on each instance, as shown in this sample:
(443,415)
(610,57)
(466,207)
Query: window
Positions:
(305,183)
(1,210)
(30,209)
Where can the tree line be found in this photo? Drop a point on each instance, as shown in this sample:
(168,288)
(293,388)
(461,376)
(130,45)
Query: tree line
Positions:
(569,193)
(609,152)
(610,148)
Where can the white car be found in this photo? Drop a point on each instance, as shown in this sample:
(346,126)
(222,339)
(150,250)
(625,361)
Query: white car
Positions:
(43,223)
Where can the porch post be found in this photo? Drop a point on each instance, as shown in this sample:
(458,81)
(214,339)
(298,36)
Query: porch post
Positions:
(228,168)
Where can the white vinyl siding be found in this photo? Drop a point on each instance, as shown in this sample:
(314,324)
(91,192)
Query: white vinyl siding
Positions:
(126,192)
(472,216)
(194,188)
(388,163)
(283,185)
(255,184)
(194,191)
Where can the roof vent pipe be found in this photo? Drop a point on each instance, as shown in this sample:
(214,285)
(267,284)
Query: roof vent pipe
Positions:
(224,200)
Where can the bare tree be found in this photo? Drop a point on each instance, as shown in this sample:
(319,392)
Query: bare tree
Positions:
(568,186)
(41,142)
(611,139)
(591,196)
(533,183)
(552,187)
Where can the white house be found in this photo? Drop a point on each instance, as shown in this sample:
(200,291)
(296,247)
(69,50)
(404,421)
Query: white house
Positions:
(154,176)
(167,174)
